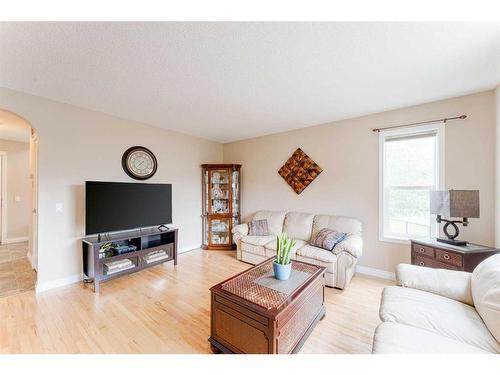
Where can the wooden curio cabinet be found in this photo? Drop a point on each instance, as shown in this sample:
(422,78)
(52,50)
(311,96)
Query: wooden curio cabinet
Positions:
(221,205)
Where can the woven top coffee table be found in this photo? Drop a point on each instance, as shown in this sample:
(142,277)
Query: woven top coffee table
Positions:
(253,312)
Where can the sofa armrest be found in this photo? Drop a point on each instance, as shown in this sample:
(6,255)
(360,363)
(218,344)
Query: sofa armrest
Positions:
(241,229)
(451,284)
(353,244)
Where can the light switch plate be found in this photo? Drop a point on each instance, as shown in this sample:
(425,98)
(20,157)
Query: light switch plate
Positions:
(59,207)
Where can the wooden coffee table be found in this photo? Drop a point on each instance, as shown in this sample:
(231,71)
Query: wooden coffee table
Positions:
(253,312)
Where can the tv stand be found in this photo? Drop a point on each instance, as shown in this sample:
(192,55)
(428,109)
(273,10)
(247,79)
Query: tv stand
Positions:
(147,241)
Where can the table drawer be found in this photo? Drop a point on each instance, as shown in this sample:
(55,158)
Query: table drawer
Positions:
(423,250)
(449,257)
(427,262)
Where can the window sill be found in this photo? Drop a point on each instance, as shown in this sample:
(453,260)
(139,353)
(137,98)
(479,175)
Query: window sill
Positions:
(401,241)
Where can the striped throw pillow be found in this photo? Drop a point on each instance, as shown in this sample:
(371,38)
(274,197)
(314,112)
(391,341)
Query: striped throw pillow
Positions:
(328,238)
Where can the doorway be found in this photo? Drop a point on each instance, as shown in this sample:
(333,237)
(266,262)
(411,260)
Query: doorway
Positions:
(18,204)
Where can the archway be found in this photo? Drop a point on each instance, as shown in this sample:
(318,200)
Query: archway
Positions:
(18,204)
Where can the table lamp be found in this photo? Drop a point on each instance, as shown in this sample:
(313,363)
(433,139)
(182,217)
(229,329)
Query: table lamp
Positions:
(454,203)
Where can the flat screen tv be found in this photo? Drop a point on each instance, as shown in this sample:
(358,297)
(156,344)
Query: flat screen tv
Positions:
(116,206)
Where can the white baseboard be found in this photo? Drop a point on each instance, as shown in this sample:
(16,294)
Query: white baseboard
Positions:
(52,284)
(15,240)
(30,258)
(187,248)
(376,273)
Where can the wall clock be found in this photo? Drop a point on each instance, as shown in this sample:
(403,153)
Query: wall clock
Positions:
(139,163)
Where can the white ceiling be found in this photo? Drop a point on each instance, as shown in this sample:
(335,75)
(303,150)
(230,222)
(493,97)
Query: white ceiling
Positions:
(229,81)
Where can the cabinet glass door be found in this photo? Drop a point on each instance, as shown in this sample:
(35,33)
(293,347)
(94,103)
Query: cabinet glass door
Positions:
(219,231)
(205,230)
(206,195)
(235,194)
(219,191)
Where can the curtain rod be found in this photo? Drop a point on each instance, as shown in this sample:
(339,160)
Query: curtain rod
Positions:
(420,123)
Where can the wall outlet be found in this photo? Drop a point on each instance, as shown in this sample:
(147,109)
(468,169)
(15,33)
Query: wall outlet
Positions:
(17,198)
(59,207)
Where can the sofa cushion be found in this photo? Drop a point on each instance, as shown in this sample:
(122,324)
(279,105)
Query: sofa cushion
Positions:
(394,338)
(298,225)
(271,247)
(315,255)
(258,228)
(330,267)
(258,240)
(255,244)
(252,249)
(274,219)
(339,223)
(327,238)
(485,285)
(313,252)
(437,314)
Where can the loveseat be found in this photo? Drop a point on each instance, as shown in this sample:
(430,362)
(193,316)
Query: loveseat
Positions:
(340,263)
(441,311)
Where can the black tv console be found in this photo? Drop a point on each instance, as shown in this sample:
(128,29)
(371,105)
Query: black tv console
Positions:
(148,241)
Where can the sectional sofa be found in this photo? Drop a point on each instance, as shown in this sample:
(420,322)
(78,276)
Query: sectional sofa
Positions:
(340,263)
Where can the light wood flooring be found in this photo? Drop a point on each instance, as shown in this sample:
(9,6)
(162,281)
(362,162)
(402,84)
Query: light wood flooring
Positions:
(165,309)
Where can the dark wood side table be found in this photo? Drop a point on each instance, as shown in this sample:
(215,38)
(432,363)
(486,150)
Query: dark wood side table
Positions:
(434,254)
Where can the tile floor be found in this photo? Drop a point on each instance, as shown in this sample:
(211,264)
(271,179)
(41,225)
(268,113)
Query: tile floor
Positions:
(16,275)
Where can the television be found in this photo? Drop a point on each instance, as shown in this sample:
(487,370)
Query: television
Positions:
(116,206)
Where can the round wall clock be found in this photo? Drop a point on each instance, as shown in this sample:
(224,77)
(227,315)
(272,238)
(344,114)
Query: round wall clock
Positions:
(139,163)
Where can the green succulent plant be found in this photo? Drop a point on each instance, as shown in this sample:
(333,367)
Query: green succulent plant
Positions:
(283,248)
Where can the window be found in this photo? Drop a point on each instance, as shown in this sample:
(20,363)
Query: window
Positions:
(411,165)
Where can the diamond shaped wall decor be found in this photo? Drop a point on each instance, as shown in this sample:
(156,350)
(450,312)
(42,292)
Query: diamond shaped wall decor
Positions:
(299,171)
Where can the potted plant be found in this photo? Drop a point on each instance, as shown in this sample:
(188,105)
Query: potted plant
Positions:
(282,265)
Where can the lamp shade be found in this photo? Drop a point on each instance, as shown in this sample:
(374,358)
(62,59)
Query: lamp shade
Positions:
(455,203)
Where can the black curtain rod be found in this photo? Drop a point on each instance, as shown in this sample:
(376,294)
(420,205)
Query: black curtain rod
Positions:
(420,123)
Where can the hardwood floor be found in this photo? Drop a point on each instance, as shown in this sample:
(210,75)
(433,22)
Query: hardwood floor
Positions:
(166,310)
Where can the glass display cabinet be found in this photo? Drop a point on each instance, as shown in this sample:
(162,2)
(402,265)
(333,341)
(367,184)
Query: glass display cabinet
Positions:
(221,205)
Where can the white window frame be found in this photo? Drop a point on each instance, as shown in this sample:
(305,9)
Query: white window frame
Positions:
(438,128)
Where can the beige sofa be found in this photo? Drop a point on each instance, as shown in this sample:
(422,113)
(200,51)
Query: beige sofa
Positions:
(441,311)
(340,263)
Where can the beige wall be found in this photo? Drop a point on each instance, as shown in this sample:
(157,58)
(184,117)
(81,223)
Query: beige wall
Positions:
(18,184)
(76,145)
(348,153)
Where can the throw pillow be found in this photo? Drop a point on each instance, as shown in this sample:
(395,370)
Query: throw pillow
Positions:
(258,228)
(328,238)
